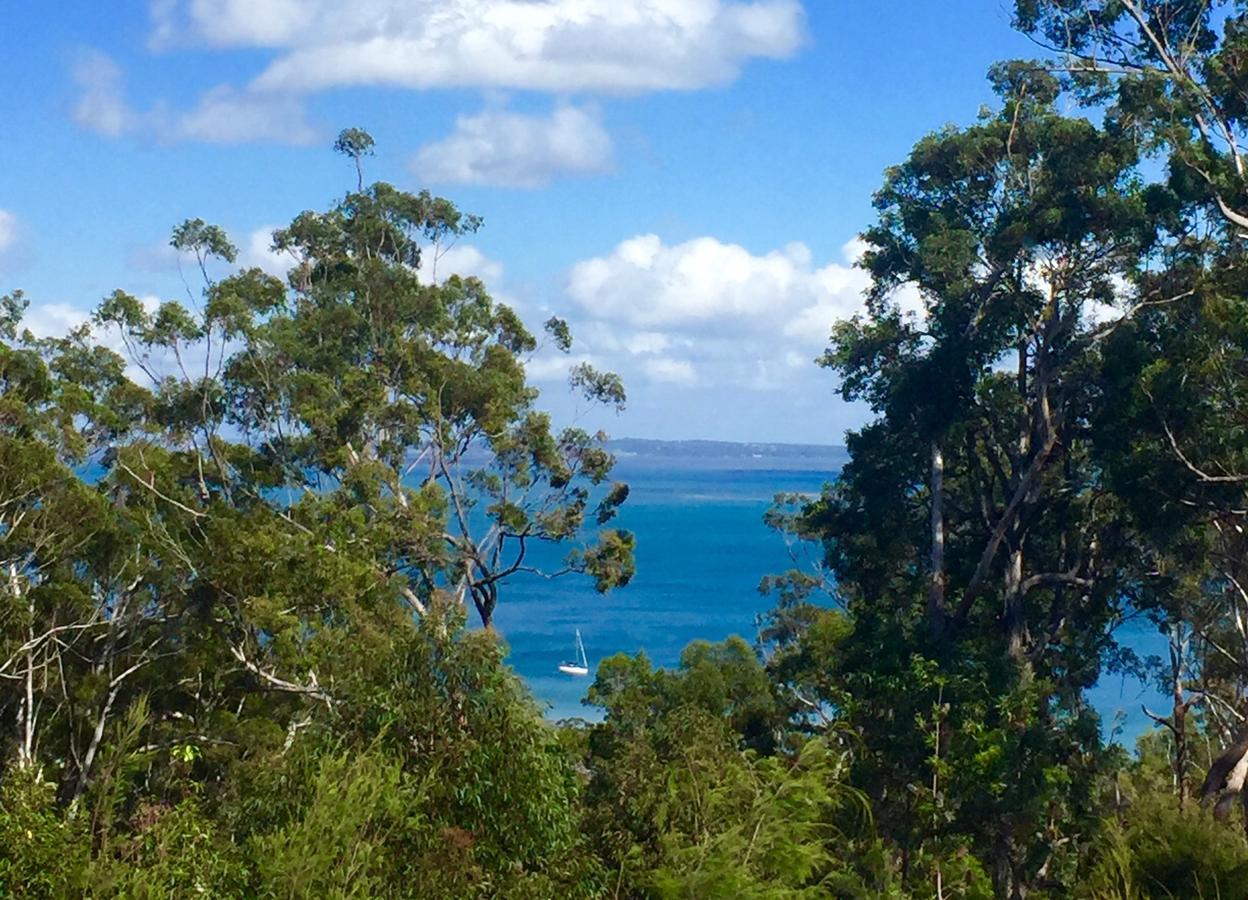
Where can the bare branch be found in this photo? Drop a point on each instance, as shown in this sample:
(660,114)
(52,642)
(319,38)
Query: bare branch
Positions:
(151,486)
(313,689)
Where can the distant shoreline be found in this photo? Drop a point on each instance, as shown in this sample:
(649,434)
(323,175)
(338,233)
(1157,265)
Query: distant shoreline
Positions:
(728,455)
(717,456)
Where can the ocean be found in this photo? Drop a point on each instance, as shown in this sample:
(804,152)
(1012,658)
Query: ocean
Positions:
(702,548)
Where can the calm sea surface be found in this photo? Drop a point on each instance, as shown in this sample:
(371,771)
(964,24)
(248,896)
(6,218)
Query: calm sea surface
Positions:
(701,549)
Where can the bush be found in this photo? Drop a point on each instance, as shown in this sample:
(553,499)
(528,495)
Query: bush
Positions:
(1161,852)
(41,853)
(173,851)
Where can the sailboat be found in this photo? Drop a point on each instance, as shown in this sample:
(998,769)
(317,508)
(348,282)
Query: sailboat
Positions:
(580,667)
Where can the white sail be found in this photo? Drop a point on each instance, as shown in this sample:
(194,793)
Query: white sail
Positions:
(580,665)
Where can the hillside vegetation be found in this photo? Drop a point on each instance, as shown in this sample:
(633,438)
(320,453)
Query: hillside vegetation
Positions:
(252,546)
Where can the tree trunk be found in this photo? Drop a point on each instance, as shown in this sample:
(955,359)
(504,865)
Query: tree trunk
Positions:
(26,708)
(1002,866)
(936,615)
(1007,880)
(1015,618)
(1178,719)
(1180,747)
(485,598)
(1226,776)
(97,736)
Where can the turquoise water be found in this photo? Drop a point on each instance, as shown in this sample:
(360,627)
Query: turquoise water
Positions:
(701,549)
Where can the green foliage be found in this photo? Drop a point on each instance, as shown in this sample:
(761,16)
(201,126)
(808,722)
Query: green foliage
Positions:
(348,840)
(971,539)
(682,803)
(42,854)
(559,332)
(233,636)
(759,830)
(1162,852)
(171,851)
(600,387)
(205,241)
(355,143)
(234,651)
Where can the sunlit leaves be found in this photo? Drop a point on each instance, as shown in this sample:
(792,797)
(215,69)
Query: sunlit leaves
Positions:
(203,240)
(601,387)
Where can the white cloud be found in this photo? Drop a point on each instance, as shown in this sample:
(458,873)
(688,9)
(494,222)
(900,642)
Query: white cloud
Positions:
(554,366)
(1096,312)
(163,14)
(715,314)
(101,105)
(669,371)
(509,149)
(440,263)
(222,115)
(258,253)
(647,342)
(463,260)
(225,115)
(545,45)
(227,22)
(52,319)
(255,250)
(8,229)
(725,287)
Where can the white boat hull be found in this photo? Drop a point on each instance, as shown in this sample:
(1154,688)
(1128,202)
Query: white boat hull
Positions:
(569,669)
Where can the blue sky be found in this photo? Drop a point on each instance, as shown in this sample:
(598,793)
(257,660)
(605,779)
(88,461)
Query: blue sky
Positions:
(681,179)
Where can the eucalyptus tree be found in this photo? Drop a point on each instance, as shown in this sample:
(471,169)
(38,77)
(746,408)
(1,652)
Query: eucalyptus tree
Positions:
(1172,73)
(366,398)
(167,632)
(355,143)
(971,538)
(1173,448)
(86,616)
(307,469)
